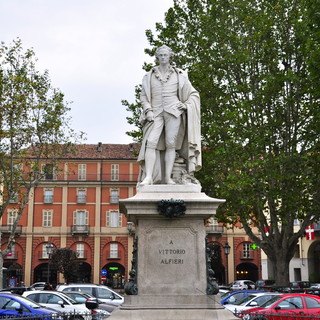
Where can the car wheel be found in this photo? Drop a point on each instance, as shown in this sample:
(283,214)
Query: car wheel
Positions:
(258,317)
(76,317)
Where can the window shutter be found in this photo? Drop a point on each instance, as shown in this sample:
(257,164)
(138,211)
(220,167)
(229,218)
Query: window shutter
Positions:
(108,218)
(120,219)
(74,217)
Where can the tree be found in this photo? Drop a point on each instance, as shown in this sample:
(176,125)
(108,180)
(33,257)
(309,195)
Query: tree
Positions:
(64,260)
(255,64)
(34,131)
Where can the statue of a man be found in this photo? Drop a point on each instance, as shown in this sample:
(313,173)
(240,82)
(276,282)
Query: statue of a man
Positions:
(171,122)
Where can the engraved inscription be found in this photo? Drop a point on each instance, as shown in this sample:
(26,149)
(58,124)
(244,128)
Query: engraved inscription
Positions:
(169,256)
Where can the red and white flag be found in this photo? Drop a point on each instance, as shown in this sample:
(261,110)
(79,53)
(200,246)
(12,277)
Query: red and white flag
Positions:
(310,232)
(267,230)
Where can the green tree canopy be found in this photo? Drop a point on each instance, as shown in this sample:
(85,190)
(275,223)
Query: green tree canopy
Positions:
(64,260)
(34,130)
(256,66)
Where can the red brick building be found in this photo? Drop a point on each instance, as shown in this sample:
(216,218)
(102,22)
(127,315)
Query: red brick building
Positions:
(76,207)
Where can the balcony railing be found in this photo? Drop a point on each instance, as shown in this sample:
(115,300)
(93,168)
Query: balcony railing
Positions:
(114,199)
(48,199)
(214,229)
(5,229)
(12,256)
(79,229)
(246,256)
(96,177)
(81,199)
(82,254)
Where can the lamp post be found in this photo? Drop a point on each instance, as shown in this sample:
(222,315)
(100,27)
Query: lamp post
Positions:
(226,249)
(49,248)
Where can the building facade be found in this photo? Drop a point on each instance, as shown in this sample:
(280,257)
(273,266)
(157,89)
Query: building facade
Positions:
(76,206)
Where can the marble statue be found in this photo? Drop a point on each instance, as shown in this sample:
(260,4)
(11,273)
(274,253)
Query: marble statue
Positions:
(171,124)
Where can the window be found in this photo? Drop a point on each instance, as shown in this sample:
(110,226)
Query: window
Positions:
(44,251)
(114,219)
(47,218)
(80,218)
(48,196)
(48,171)
(114,196)
(82,171)
(11,254)
(113,250)
(312,303)
(80,250)
(114,172)
(291,303)
(81,196)
(14,198)
(12,216)
(246,251)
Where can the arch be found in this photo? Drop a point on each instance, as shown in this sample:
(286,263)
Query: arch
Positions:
(44,272)
(115,275)
(12,274)
(247,271)
(83,274)
(314,262)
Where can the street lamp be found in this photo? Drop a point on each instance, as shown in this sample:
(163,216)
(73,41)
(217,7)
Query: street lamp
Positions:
(49,249)
(226,249)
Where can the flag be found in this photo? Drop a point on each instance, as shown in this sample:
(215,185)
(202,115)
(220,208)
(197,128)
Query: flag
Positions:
(310,232)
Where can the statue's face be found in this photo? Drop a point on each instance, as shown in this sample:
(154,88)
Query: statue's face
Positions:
(163,56)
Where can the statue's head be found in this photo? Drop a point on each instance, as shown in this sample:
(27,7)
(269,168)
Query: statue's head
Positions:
(166,48)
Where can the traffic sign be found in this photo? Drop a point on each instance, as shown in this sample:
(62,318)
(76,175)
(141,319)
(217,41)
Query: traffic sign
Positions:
(103,278)
(103,272)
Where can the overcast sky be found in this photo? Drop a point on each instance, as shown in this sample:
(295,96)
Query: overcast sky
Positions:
(94,51)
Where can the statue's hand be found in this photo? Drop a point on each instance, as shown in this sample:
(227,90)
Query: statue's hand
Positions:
(150,116)
(181,106)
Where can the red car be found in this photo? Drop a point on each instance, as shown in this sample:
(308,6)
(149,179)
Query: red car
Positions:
(286,307)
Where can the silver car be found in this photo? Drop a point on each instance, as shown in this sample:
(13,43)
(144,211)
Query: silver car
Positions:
(60,302)
(103,293)
(243,285)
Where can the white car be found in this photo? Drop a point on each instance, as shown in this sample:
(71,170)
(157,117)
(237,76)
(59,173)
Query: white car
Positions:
(103,293)
(251,301)
(59,302)
(243,285)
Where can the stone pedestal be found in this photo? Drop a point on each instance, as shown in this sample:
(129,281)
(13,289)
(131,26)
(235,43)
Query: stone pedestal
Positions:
(171,257)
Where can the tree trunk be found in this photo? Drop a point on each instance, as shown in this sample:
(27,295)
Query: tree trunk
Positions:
(1,270)
(281,269)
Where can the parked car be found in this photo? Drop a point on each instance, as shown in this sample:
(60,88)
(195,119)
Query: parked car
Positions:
(83,297)
(262,284)
(60,302)
(13,305)
(17,290)
(287,306)
(101,292)
(300,284)
(38,285)
(234,296)
(243,285)
(253,300)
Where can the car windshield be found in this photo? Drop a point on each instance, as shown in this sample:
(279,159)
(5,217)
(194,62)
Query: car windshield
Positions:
(29,302)
(243,301)
(70,299)
(270,302)
(225,294)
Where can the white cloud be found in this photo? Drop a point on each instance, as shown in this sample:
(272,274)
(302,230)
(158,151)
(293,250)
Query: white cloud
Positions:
(94,51)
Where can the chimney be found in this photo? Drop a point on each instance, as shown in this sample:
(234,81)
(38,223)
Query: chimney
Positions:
(99,149)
